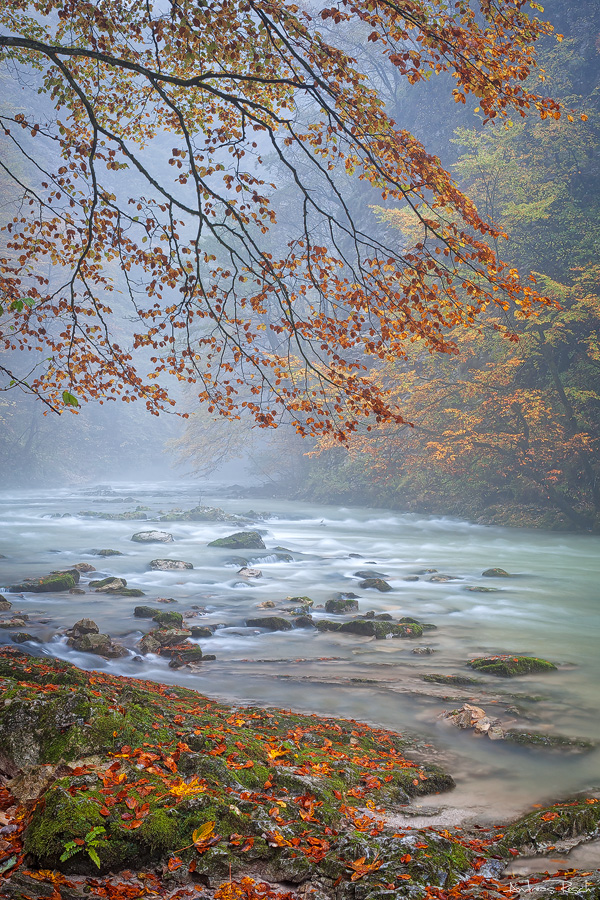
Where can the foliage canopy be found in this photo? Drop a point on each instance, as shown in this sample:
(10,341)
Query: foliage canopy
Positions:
(144,222)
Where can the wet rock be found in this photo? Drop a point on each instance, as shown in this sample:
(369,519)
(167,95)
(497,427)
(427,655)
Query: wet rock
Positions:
(185,655)
(32,784)
(507,666)
(15,622)
(241,540)
(339,606)
(56,581)
(272,623)
(21,636)
(327,625)
(455,680)
(423,651)
(167,637)
(426,571)
(480,589)
(167,565)
(83,626)
(152,537)
(411,578)
(442,579)
(100,644)
(377,584)
(250,573)
(78,591)
(370,573)
(129,592)
(380,630)
(304,622)
(106,552)
(5,604)
(495,573)
(301,601)
(556,742)
(468,716)
(266,604)
(201,631)
(168,619)
(148,644)
(106,585)
(145,612)
(83,567)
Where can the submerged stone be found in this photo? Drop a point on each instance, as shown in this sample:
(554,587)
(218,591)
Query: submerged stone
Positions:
(495,573)
(106,552)
(145,612)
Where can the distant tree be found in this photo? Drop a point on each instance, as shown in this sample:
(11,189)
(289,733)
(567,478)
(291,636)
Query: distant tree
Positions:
(142,202)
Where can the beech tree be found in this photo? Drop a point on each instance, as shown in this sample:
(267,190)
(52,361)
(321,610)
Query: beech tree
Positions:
(137,162)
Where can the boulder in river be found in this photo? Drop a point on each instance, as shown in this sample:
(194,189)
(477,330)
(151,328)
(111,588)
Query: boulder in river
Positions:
(304,621)
(339,606)
(100,644)
(22,636)
(272,623)
(557,742)
(145,612)
(241,540)
(495,573)
(106,552)
(83,626)
(152,537)
(167,565)
(108,585)
(201,631)
(4,604)
(510,666)
(166,637)
(377,584)
(56,581)
(442,579)
(83,567)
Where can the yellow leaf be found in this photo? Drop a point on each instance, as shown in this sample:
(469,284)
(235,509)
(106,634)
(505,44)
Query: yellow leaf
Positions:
(204,832)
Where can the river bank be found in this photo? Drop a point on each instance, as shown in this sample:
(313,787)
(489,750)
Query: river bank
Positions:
(125,788)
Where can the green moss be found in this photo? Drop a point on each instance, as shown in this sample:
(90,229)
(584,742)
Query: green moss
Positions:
(159,834)
(449,679)
(511,666)
(60,819)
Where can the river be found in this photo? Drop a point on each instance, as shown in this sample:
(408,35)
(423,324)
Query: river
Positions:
(550,607)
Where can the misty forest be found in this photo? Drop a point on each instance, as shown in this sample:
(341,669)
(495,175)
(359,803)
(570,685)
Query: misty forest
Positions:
(300,449)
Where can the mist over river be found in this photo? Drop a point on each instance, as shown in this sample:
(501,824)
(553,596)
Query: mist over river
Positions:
(549,608)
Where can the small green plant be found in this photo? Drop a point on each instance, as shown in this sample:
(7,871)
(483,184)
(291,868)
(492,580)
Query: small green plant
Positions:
(88,843)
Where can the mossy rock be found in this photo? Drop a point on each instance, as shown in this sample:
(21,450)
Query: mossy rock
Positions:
(201,631)
(145,612)
(111,583)
(241,540)
(5,604)
(511,666)
(271,623)
(106,553)
(56,581)
(339,606)
(542,829)
(495,573)
(377,584)
(456,680)
(168,619)
(537,739)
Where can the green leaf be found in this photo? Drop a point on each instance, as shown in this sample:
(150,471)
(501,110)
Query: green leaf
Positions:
(93,855)
(69,399)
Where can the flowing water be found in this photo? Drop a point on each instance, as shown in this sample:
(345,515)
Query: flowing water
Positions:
(549,608)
